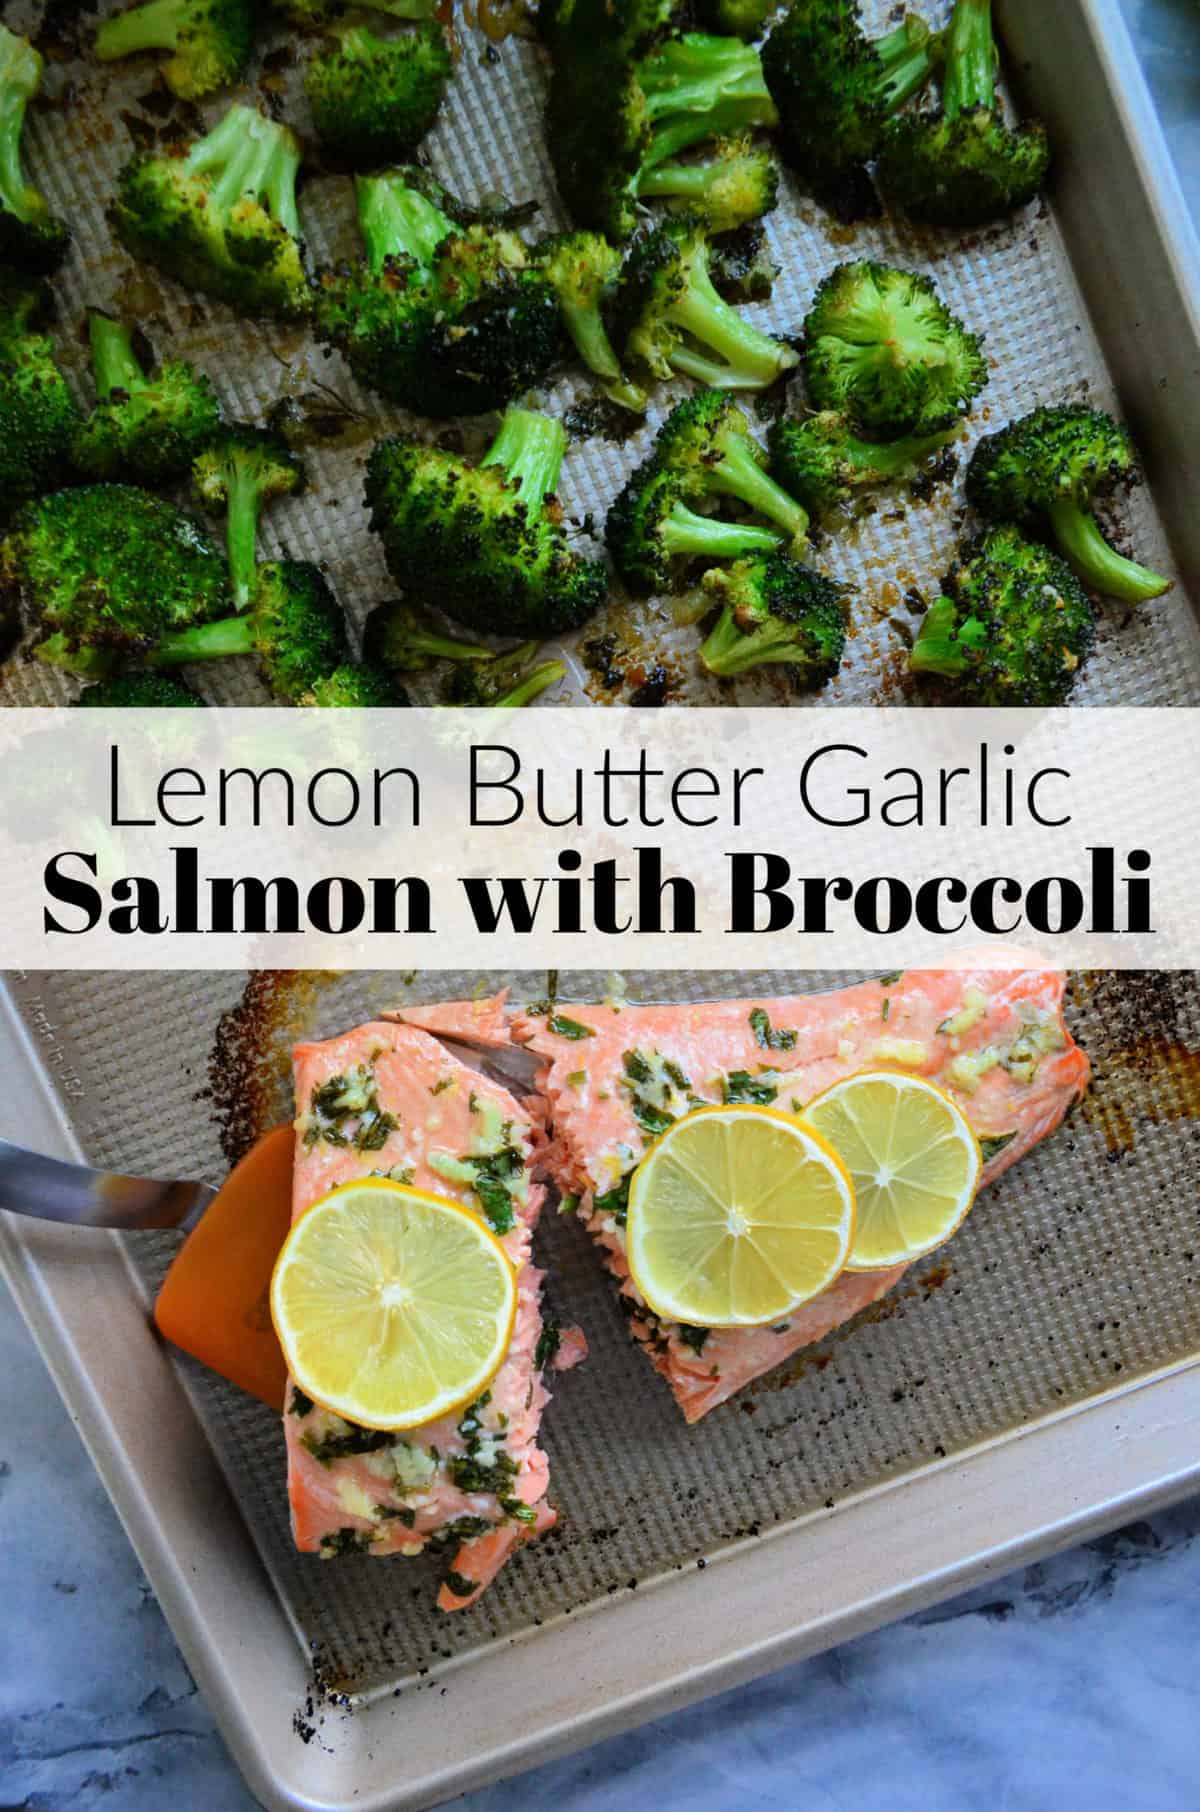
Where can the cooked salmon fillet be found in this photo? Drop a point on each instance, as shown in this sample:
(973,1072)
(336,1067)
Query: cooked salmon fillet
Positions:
(995,1040)
(388,1099)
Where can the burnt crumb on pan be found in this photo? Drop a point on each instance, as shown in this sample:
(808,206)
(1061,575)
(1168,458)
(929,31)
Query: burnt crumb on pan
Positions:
(1139,1029)
(248,1066)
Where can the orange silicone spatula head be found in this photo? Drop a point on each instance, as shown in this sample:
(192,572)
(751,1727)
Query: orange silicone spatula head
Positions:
(214,1302)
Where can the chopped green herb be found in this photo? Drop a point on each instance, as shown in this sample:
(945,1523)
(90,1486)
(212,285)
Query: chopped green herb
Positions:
(401,1514)
(615,1202)
(989,1147)
(693,1337)
(563,1027)
(373,1130)
(442,1083)
(740,1086)
(399,1173)
(460,1585)
(889,981)
(492,1175)
(463,1528)
(330,1447)
(797,1106)
(569,1204)
(577,1078)
(472,1474)
(765,1037)
(887,1007)
(637,1067)
(651,1119)
(353,1096)
(548,1344)
(300,1404)
(345,1541)
(518,1510)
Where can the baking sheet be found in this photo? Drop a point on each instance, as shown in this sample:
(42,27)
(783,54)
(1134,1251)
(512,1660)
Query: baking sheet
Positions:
(1013,282)
(1074,1275)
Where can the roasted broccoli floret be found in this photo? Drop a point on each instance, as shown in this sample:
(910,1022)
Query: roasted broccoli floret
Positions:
(107,570)
(626,96)
(444,319)
(1013,627)
(823,462)
(145,428)
(243,469)
(355,686)
(774,612)
(582,269)
(668,317)
(703,454)
(739,183)
(139,692)
(836,89)
(485,542)
(1049,468)
(294,628)
(505,681)
(222,218)
(740,18)
(882,348)
(31,237)
(404,639)
(963,166)
(210,40)
(38,417)
(372,98)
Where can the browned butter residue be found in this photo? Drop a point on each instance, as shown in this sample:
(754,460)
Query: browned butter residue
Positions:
(1154,1082)
(249,1064)
(816,1358)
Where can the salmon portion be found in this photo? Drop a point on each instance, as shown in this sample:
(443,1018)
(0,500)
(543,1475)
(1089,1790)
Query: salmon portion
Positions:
(389,1099)
(995,1040)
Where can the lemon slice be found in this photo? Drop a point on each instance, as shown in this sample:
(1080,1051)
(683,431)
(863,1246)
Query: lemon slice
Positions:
(392,1307)
(913,1157)
(736,1216)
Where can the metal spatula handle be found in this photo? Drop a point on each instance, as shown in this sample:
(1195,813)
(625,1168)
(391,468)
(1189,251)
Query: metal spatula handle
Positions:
(51,1190)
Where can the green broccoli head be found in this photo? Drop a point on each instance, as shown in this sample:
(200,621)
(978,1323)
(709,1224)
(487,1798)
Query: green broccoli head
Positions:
(1050,466)
(1013,627)
(668,318)
(243,469)
(740,18)
(485,542)
(445,320)
(372,98)
(222,218)
(31,237)
(704,455)
(139,692)
(963,167)
(149,428)
(404,639)
(209,40)
(38,417)
(738,183)
(108,569)
(835,90)
(294,629)
(823,462)
(882,348)
(503,682)
(774,612)
(582,269)
(355,686)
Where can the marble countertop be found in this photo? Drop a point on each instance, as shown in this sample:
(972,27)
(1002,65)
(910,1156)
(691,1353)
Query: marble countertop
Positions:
(1071,1684)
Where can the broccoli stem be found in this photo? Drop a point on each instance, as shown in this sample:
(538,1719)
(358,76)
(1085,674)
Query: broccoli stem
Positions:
(423,643)
(728,651)
(398,222)
(204,642)
(970,79)
(908,55)
(242,505)
(20,73)
(530,448)
(113,360)
(751,360)
(154,26)
(531,686)
(590,338)
(682,182)
(249,154)
(1098,564)
(686,533)
(936,650)
(88,663)
(738,474)
(701,86)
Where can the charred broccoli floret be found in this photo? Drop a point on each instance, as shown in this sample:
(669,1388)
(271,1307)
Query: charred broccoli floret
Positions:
(107,570)
(1013,627)
(139,692)
(626,95)
(1050,467)
(582,269)
(485,542)
(222,218)
(404,639)
(146,428)
(210,40)
(505,681)
(444,319)
(668,318)
(373,98)
(963,166)
(774,612)
(836,89)
(38,417)
(703,455)
(823,462)
(294,628)
(243,469)
(356,686)
(740,18)
(31,237)
(739,183)
(882,348)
